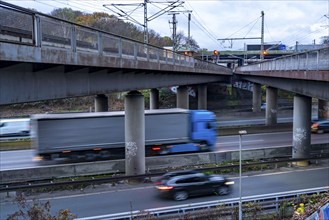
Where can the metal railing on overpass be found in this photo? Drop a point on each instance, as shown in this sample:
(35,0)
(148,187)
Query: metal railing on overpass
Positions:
(26,27)
(309,60)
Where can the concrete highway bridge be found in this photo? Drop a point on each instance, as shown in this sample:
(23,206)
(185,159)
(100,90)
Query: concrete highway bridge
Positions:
(43,57)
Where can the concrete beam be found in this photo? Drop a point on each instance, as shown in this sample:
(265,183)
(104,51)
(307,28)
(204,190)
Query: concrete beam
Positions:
(312,88)
(27,83)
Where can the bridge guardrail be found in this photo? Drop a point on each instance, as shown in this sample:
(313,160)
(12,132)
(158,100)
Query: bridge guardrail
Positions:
(268,202)
(309,60)
(23,26)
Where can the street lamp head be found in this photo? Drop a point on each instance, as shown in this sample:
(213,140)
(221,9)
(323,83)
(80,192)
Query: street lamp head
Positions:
(242,132)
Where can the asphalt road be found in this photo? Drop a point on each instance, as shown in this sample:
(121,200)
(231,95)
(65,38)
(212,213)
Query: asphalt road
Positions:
(24,158)
(107,199)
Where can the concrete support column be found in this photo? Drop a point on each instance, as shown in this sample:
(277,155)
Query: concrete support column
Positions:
(134,133)
(323,109)
(182,97)
(302,128)
(154,99)
(101,103)
(256,97)
(202,96)
(271,106)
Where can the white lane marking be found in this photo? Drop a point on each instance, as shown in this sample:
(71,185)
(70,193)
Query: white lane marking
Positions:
(237,142)
(271,133)
(283,172)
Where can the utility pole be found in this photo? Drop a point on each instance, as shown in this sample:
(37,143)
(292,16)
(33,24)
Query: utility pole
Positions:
(146,32)
(262,38)
(174,28)
(174,35)
(189,32)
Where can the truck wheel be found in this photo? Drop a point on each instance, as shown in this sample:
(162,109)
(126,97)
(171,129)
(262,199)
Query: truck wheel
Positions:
(223,190)
(180,195)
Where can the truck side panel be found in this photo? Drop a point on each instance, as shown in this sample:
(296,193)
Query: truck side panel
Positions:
(75,134)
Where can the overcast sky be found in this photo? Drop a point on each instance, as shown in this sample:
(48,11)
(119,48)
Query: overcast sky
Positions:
(285,21)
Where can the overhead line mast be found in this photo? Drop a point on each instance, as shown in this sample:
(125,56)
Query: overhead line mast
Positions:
(246,38)
(127,16)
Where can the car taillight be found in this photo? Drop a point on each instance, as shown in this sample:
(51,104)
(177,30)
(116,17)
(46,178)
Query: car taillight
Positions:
(164,187)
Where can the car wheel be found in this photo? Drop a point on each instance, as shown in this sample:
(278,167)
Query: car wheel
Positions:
(320,132)
(223,190)
(181,195)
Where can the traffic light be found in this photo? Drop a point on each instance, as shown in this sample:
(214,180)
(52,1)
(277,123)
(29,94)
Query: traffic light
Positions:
(186,53)
(216,52)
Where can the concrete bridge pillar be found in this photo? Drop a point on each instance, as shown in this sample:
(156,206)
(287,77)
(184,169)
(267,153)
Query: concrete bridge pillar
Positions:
(101,103)
(134,133)
(182,97)
(302,128)
(202,96)
(154,99)
(271,105)
(256,97)
(323,109)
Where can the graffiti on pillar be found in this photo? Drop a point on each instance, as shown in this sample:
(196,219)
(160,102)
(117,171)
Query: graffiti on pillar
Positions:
(298,137)
(190,90)
(131,150)
(273,111)
(243,85)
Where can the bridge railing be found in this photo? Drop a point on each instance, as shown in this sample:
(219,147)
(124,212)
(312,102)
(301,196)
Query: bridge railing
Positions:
(22,26)
(309,60)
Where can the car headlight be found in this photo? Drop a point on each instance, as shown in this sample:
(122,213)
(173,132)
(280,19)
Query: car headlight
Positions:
(229,183)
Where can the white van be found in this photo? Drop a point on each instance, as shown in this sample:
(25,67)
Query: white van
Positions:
(13,127)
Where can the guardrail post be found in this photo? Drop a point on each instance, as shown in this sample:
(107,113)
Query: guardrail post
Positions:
(37,35)
(166,56)
(135,51)
(147,52)
(306,61)
(317,60)
(100,43)
(73,39)
(120,47)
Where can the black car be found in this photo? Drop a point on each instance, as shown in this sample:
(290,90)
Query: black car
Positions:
(320,126)
(180,186)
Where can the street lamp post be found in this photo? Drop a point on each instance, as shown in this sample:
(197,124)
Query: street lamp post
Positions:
(242,132)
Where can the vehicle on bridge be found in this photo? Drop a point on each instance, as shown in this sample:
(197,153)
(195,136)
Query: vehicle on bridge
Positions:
(183,184)
(88,136)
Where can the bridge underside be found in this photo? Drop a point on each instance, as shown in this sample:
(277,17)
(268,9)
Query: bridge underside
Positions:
(28,82)
(312,88)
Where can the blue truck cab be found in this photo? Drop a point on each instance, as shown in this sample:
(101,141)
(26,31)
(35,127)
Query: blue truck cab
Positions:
(203,128)
(201,131)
